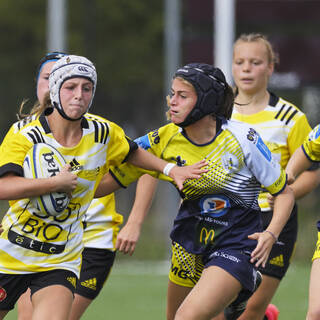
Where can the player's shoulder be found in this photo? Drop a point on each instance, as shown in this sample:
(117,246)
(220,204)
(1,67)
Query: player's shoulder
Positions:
(238,128)
(284,108)
(27,121)
(95,117)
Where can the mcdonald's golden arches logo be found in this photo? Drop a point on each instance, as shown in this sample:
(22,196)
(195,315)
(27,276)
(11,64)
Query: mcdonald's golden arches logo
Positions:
(206,235)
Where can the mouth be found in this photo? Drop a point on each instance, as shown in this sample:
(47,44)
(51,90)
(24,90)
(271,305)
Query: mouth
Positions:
(246,80)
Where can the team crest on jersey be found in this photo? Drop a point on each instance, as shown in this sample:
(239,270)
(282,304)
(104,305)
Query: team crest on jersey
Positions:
(214,206)
(3,294)
(230,162)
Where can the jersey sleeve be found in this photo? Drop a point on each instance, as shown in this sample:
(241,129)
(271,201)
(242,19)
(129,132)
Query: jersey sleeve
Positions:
(260,162)
(298,133)
(311,145)
(120,146)
(153,142)
(13,150)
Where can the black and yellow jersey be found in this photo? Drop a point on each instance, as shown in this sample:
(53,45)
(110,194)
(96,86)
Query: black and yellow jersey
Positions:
(282,126)
(221,207)
(311,145)
(33,241)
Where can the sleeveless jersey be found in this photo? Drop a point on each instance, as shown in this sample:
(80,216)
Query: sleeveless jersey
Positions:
(32,241)
(282,126)
(219,209)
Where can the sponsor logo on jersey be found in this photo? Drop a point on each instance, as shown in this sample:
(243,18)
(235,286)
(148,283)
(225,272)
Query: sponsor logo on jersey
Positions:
(179,272)
(225,256)
(3,294)
(252,135)
(264,149)
(143,142)
(90,283)
(206,235)
(315,133)
(75,165)
(214,206)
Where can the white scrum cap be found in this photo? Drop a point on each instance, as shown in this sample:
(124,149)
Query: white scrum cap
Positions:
(68,67)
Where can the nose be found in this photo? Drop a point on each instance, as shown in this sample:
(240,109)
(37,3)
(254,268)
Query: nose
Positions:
(78,92)
(173,99)
(246,66)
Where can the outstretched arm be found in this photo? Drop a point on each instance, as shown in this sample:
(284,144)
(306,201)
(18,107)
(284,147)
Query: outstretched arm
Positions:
(130,233)
(283,206)
(297,163)
(148,161)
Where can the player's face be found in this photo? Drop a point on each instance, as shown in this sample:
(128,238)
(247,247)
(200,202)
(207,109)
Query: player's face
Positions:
(75,96)
(182,100)
(43,80)
(251,68)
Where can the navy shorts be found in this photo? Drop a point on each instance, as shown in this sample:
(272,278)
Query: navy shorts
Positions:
(237,264)
(282,251)
(12,286)
(95,269)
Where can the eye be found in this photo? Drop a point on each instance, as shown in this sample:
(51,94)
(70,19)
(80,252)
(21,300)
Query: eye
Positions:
(87,88)
(183,96)
(257,62)
(238,62)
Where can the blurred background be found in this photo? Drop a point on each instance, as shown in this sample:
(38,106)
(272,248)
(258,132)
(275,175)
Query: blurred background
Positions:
(136,45)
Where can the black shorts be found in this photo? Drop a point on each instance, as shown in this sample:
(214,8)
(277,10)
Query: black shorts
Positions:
(95,268)
(282,251)
(12,286)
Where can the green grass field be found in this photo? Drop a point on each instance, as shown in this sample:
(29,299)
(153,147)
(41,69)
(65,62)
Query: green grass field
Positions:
(137,291)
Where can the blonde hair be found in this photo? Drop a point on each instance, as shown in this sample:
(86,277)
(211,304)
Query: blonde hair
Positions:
(36,109)
(273,57)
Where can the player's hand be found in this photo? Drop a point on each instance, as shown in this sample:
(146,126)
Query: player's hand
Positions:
(260,254)
(65,180)
(1,229)
(181,174)
(128,238)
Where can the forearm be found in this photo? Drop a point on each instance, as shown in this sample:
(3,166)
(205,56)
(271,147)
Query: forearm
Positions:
(298,163)
(305,183)
(283,206)
(14,187)
(145,190)
(144,159)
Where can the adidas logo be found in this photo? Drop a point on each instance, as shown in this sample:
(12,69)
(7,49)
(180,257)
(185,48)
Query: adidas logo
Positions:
(90,283)
(277,261)
(75,165)
(72,280)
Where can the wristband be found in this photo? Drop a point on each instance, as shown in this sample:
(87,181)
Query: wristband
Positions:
(272,234)
(167,168)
